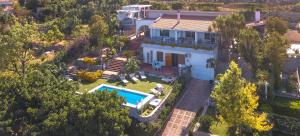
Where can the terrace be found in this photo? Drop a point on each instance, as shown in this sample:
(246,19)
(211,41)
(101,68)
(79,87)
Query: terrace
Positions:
(186,42)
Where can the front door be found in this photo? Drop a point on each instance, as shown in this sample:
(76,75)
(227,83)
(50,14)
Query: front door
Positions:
(174,60)
(181,59)
(168,59)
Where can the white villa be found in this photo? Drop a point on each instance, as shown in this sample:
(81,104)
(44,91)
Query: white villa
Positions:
(6,5)
(180,38)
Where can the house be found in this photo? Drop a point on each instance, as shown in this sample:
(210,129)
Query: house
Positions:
(129,14)
(179,39)
(293,62)
(293,37)
(6,5)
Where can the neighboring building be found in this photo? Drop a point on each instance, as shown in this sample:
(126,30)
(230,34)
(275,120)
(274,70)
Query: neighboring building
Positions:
(129,14)
(293,37)
(293,62)
(6,5)
(179,39)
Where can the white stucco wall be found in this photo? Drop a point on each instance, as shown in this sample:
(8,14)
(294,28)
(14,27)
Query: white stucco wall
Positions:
(143,22)
(198,58)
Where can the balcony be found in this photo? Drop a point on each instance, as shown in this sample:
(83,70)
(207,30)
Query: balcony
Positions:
(186,42)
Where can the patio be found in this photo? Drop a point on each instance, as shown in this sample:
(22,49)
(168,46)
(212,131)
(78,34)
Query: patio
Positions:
(164,71)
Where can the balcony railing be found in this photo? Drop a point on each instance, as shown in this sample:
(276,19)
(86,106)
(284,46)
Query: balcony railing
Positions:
(187,42)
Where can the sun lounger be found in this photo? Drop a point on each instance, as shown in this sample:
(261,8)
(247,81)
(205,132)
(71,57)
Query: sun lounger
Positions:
(142,75)
(159,87)
(155,92)
(133,78)
(123,79)
(168,79)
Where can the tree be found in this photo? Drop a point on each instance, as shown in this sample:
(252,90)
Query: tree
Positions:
(132,65)
(275,53)
(237,101)
(45,103)
(250,47)
(54,34)
(15,47)
(98,31)
(80,31)
(229,28)
(276,24)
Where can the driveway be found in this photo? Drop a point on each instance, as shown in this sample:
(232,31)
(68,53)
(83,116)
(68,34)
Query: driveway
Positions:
(196,96)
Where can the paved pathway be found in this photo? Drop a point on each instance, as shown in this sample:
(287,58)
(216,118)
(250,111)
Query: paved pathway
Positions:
(184,112)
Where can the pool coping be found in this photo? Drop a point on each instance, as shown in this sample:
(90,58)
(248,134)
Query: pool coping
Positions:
(138,106)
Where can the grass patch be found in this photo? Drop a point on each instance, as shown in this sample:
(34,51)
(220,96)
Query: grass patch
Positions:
(219,128)
(142,86)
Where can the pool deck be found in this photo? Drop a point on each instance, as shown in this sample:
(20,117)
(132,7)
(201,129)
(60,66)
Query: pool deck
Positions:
(138,106)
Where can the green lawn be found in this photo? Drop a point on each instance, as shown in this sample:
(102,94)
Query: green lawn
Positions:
(143,86)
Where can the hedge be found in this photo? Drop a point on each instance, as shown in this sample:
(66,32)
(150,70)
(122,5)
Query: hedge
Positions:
(90,61)
(89,76)
(287,107)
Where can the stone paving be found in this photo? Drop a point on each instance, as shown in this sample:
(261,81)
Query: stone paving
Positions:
(196,96)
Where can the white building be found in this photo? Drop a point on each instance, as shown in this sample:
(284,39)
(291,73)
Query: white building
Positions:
(6,5)
(180,38)
(130,13)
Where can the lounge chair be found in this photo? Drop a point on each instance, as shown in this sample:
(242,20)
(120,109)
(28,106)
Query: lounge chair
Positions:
(159,87)
(142,75)
(123,79)
(133,78)
(155,92)
(168,79)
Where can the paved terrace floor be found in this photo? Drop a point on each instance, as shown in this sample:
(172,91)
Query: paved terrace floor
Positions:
(196,95)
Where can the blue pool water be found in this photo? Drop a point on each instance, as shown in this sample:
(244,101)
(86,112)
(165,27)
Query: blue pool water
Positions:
(130,97)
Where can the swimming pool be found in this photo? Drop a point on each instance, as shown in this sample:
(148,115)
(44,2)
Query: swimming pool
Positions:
(133,98)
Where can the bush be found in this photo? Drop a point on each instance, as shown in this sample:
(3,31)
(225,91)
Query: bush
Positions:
(90,61)
(287,107)
(160,6)
(89,76)
(177,6)
(296,8)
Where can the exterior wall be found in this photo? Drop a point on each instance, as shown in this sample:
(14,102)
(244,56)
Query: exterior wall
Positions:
(197,58)
(143,22)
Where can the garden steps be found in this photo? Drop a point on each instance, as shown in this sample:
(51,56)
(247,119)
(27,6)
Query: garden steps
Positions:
(114,67)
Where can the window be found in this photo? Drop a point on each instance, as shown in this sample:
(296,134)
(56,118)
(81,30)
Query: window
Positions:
(164,33)
(207,36)
(213,38)
(210,63)
(190,34)
(160,56)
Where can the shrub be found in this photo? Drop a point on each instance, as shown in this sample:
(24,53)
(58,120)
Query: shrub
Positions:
(296,8)
(90,61)
(177,6)
(160,6)
(89,76)
(287,107)
(206,122)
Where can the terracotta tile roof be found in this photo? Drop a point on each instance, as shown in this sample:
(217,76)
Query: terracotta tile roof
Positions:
(186,23)
(293,36)
(6,1)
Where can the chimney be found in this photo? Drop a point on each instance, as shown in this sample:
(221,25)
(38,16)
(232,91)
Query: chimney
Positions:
(257,16)
(178,16)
